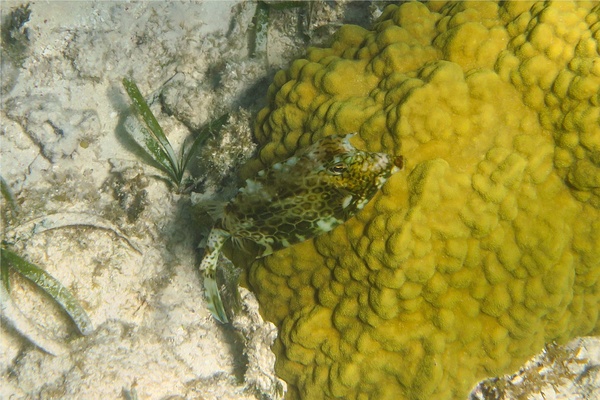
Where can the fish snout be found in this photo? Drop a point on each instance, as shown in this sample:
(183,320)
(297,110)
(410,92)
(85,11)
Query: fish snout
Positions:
(397,164)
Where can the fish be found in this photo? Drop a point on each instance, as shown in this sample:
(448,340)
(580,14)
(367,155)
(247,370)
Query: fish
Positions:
(312,192)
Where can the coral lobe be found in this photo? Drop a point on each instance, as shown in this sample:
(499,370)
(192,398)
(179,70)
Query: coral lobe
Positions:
(490,246)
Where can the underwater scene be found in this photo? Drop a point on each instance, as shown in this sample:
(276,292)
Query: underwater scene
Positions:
(300,200)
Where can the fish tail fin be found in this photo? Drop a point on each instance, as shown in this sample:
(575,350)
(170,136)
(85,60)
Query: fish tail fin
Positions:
(213,298)
(208,266)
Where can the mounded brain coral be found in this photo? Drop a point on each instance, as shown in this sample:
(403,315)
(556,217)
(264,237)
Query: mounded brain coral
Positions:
(489,245)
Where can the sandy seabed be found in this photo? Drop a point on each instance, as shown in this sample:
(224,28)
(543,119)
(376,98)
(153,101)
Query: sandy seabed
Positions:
(101,221)
(63,156)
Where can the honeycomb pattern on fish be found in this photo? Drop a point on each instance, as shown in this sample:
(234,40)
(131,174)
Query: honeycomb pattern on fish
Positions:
(310,193)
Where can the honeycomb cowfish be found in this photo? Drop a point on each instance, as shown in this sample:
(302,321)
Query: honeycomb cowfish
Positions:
(310,193)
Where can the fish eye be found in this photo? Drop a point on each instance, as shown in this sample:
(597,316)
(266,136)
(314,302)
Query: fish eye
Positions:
(337,169)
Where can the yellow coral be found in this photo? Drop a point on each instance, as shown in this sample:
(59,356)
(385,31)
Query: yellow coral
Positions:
(489,246)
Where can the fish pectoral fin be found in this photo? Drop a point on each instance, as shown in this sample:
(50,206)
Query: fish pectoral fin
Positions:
(215,209)
(213,298)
